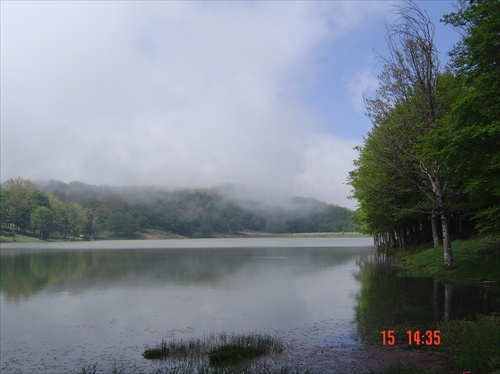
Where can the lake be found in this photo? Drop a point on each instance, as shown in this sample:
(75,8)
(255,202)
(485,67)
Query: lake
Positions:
(68,305)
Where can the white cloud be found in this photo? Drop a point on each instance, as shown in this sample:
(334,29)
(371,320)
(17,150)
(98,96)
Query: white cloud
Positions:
(324,170)
(362,83)
(175,93)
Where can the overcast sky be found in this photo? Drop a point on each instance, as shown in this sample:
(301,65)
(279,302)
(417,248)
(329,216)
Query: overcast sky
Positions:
(193,94)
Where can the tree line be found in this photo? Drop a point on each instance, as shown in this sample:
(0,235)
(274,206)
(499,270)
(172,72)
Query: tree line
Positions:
(24,207)
(80,210)
(430,166)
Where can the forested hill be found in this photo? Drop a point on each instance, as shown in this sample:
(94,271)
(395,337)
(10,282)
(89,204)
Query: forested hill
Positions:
(74,209)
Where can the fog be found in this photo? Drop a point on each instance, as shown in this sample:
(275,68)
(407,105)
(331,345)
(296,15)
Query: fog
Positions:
(187,94)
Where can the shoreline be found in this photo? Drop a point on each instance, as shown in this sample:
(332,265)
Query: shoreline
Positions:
(151,234)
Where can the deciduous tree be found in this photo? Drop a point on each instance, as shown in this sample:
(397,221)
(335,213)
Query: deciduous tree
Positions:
(474,152)
(42,219)
(405,114)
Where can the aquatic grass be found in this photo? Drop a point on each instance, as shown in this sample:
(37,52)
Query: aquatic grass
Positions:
(92,369)
(176,349)
(215,353)
(233,353)
(201,346)
(89,369)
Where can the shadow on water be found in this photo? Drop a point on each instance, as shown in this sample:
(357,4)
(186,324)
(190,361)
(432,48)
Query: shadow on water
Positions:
(389,299)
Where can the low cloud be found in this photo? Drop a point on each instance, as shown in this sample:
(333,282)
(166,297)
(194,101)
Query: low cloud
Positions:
(324,170)
(176,93)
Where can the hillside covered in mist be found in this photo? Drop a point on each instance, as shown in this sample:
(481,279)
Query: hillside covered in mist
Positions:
(125,211)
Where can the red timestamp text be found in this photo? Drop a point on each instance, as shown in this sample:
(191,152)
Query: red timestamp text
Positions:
(417,337)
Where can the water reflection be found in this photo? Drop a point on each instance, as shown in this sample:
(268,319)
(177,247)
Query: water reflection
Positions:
(389,299)
(63,308)
(25,274)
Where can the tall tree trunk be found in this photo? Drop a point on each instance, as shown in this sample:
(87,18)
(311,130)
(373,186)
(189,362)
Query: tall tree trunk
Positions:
(435,232)
(376,240)
(439,200)
(448,257)
(402,240)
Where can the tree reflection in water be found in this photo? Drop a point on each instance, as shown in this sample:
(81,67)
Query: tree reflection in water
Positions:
(389,299)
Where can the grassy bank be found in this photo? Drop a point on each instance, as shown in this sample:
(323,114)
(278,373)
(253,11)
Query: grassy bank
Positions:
(7,237)
(475,260)
(18,238)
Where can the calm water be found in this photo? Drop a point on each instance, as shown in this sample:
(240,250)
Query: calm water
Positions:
(64,305)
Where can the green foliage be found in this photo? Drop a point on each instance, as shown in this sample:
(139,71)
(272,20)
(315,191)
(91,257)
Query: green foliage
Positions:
(4,218)
(474,152)
(24,206)
(331,219)
(84,210)
(477,54)
(435,144)
(19,202)
(192,213)
(122,223)
(42,219)
(69,217)
(398,179)
(89,227)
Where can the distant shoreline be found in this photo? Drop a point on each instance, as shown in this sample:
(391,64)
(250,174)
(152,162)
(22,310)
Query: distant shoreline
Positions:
(151,234)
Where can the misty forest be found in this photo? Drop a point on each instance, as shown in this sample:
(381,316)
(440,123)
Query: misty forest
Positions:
(427,170)
(430,166)
(60,210)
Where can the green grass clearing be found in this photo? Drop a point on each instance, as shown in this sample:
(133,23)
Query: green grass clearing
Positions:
(7,237)
(476,260)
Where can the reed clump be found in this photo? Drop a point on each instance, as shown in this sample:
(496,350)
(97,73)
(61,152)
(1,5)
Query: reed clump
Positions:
(215,349)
